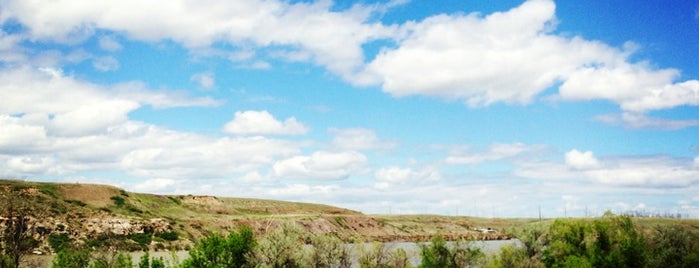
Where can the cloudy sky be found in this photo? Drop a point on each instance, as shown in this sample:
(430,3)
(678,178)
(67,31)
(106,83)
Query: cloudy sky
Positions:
(484,108)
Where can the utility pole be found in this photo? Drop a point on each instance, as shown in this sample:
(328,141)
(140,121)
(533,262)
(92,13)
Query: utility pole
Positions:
(539,212)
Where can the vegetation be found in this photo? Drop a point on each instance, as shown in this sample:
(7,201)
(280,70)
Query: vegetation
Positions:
(460,254)
(218,251)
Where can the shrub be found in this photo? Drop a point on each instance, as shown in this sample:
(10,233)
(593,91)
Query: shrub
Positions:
(673,247)
(113,260)
(218,251)
(329,251)
(460,254)
(59,242)
(143,239)
(147,262)
(68,258)
(168,236)
(608,242)
(283,247)
(118,200)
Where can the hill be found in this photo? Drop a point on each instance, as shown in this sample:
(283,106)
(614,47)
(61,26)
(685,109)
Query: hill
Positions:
(99,214)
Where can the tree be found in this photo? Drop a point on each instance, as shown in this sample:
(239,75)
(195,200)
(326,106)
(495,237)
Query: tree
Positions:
(17,236)
(282,247)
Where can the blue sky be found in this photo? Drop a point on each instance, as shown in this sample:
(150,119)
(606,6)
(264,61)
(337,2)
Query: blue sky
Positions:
(462,108)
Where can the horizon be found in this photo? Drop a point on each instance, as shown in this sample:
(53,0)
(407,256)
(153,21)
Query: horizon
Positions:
(465,108)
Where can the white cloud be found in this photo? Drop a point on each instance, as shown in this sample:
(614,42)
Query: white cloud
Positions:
(390,177)
(358,139)
(108,43)
(155,185)
(331,39)
(205,80)
(495,152)
(642,121)
(262,122)
(322,165)
(106,64)
(581,160)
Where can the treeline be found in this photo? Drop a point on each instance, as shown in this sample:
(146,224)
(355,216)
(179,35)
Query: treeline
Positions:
(609,241)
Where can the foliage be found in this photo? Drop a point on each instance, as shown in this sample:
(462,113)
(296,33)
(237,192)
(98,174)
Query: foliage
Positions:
(329,251)
(17,236)
(512,256)
(673,247)
(374,257)
(112,260)
(218,251)
(143,239)
(68,258)
(168,236)
(282,247)
(59,242)
(118,200)
(607,242)
(147,262)
(460,254)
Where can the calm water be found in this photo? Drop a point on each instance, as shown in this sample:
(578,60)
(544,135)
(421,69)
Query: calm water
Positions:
(412,249)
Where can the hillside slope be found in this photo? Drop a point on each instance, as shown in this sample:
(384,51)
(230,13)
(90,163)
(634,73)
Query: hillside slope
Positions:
(99,215)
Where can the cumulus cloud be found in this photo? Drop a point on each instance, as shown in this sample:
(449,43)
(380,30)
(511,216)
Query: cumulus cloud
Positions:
(494,153)
(205,80)
(643,121)
(581,160)
(310,28)
(358,139)
(514,56)
(106,64)
(393,176)
(108,43)
(322,165)
(263,123)
(644,172)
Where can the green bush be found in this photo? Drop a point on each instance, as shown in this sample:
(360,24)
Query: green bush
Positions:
(329,251)
(460,254)
(607,242)
(118,200)
(147,262)
(217,251)
(673,247)
(143,239)
(112,260)
(379,255)
(59,242)
(68,258)
(168,236)
(282,247)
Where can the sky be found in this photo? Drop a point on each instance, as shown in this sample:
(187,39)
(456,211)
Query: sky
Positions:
(480,108)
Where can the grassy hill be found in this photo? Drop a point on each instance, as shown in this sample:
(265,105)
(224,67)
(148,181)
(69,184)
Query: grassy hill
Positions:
(96,215)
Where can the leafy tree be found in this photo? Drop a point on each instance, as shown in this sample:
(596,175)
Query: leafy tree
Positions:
(113,260)
(219,251)
(377,256)
(512,256)
(17,237)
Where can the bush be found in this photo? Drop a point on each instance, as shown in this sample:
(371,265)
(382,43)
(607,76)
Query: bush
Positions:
(143,239)
(673,247)
(283,247)
(59,242)
(118,200)
(68,258)
(608,242)
(218,251)
(329,251)
(113,260)
(147,262)
(168,236)
(460,254)
(379,255)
